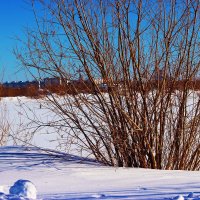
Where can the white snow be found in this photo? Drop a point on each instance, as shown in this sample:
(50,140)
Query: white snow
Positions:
(180,197)
(24,188)
(62,176)
(55,175)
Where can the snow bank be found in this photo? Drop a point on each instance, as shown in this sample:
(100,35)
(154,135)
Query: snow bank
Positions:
(24,188)
(70,177)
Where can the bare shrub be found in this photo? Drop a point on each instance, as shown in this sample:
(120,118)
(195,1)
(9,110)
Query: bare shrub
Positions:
(139,50)
(4,124)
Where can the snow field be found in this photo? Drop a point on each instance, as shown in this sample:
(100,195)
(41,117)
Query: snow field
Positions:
(58,175)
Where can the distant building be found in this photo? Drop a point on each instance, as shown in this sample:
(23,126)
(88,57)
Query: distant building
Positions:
(20,84)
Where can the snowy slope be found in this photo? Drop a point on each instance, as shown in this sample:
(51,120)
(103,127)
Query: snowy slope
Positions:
(62,176)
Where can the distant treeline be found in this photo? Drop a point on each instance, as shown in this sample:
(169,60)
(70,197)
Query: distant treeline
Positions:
(37,89)
(46,86)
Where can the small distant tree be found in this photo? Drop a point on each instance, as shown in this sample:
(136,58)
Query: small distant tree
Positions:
(139,120)
(1,91)
(4,124)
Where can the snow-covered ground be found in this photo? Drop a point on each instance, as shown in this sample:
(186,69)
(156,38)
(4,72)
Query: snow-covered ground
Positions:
(57,175)
(61,176)
(21,113)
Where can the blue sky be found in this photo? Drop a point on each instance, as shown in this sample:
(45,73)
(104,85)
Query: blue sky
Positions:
(15,15)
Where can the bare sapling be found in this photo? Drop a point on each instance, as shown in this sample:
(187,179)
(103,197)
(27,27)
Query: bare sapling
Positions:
(4,124)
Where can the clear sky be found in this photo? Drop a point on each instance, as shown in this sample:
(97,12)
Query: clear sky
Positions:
(15,15)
